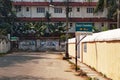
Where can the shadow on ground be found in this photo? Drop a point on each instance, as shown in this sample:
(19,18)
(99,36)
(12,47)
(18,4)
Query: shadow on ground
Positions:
(28,78)
(11,60)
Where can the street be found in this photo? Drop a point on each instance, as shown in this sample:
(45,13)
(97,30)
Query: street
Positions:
(35,66)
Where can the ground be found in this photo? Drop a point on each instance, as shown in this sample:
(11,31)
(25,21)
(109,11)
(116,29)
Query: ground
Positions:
(35,66)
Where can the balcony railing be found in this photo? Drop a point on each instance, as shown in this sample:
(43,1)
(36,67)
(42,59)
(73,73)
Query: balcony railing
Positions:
(40,3)
(71,19)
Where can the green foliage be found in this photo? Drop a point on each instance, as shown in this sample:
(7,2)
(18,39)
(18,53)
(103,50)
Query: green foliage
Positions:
(4,28)
(104,28)
(37,28)
(5,7)
(56,29)
(40,28)
(6,17)
(111,6)
(95,29)
(63,37)
(100,6)
(47,16)
(51,29)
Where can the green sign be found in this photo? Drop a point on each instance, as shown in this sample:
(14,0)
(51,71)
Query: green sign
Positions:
(14,38)
(84,27)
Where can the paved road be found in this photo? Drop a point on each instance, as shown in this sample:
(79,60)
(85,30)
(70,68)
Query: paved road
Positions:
(35,66)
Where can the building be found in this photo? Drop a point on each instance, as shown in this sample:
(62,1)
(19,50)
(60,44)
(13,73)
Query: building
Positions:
(79,11)
(101,51)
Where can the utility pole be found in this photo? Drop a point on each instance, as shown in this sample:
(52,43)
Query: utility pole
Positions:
(118,14)
(67,21)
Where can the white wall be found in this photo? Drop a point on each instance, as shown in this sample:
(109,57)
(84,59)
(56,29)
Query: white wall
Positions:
(41,45)
(4,46)
(82,14)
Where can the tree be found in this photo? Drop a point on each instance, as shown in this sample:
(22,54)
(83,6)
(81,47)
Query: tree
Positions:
(40,28)
(47,16)
(111,6)
(51,29)
(4,28)
(6,10)
(56,30)
(36,29)
(7,16)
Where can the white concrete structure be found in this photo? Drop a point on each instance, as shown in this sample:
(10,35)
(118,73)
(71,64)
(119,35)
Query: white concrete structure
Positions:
(4,44)
(80,11)
(100,51)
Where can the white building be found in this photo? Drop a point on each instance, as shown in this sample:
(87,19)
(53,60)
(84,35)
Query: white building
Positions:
(80,11)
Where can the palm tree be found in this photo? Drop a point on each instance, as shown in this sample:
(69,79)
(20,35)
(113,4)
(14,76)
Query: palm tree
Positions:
(56,30)
(40,28)
(111,6)
(47,16)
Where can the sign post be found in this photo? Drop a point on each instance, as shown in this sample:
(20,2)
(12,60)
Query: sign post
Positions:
(13,38)
(82,28)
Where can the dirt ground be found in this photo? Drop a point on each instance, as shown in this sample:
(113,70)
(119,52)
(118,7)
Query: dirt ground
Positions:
(35,66)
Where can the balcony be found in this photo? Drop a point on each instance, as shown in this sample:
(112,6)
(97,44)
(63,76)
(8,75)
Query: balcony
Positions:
(70,19)
(40,3)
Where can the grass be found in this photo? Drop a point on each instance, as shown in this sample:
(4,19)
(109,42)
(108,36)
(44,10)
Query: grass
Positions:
(81,73)
(73,66)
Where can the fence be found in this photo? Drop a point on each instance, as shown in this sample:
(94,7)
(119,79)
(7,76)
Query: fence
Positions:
(39,45)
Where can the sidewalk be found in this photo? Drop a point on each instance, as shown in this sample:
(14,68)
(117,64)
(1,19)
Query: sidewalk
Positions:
(91,73)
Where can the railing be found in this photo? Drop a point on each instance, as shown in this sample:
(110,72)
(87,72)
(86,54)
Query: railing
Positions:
(53,1)
(29,0)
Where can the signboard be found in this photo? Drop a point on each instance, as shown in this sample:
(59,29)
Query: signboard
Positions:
(84,28)
(14,38)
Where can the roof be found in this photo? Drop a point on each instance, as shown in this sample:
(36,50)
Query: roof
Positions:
(110,35)
(72,40)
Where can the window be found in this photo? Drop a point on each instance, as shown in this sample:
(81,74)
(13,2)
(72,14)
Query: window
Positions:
(71,24)
(57,10)
(78,9)
(102,24)
(85,47)
(18,8)
(70,9)
(90,10)
(27,9)
(40,10)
